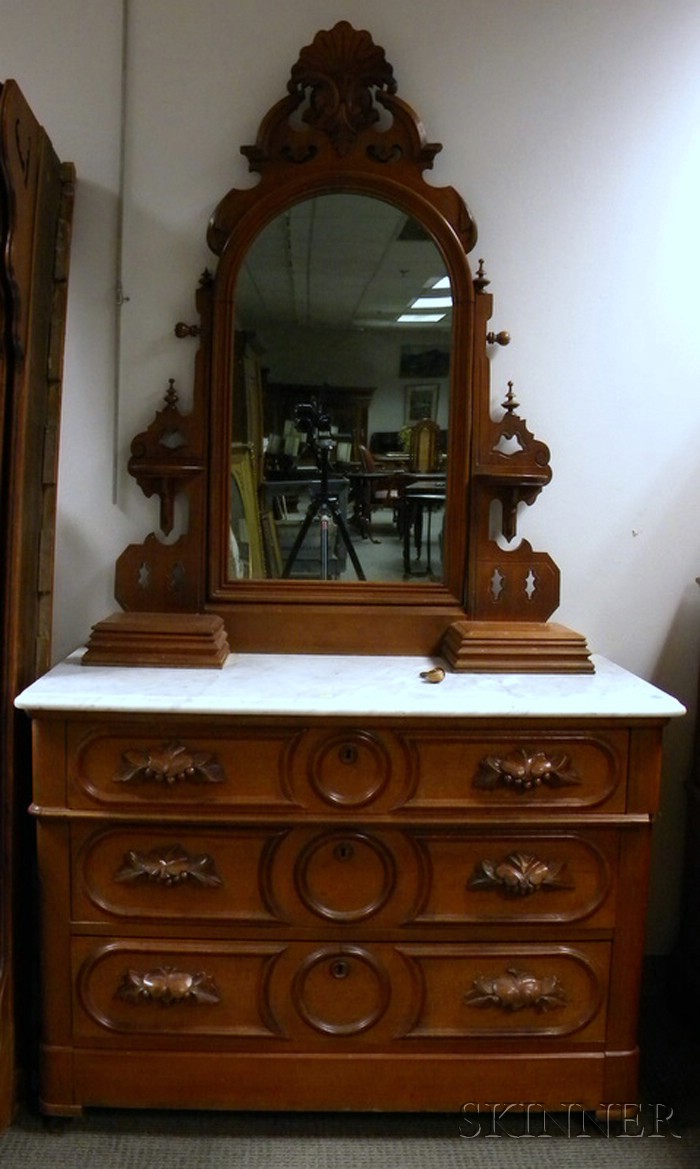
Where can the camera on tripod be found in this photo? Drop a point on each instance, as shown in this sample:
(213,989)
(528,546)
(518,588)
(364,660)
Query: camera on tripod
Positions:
(312,421)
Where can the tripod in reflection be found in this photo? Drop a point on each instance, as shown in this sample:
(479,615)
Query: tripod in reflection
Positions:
(324,505)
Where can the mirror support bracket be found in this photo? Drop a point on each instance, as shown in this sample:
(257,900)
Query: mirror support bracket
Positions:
(164,459)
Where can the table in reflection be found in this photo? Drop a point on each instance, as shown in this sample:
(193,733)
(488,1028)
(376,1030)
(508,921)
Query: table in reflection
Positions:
(420,499)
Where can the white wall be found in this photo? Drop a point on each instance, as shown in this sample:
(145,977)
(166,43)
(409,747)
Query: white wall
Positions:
(572,127)
(65,58)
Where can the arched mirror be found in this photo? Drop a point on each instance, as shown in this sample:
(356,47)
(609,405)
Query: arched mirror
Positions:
(344,318)
(351,486)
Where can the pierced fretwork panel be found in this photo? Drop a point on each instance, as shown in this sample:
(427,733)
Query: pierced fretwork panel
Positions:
(157,577)
(524,582)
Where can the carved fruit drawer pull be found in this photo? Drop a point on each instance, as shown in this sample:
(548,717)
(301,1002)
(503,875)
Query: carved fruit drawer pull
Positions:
(169,764)
(168,866)
(168,986)
(519,875)
(522,770)
(517,990)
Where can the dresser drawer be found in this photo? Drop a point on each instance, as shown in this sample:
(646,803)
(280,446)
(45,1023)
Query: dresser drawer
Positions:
(385,879)
(345,770)
(351,995)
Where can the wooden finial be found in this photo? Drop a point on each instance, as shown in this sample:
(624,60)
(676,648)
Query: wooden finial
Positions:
(510,404)
(481,280)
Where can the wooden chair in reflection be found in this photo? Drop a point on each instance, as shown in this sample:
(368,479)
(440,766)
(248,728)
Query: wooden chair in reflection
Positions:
(373,489)
(425,447)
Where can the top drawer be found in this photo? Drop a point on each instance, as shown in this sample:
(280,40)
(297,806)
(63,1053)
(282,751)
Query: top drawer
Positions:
(344,770)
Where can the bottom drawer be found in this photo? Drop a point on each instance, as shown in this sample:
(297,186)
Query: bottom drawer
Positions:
(300,995)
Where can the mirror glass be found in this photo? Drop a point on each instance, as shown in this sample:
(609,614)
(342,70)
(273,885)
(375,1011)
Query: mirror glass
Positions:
(341,405)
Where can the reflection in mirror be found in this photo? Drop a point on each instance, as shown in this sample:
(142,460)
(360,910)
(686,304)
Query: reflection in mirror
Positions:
(343,336)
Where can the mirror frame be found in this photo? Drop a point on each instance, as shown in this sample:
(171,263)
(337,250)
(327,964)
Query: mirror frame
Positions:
(341,127)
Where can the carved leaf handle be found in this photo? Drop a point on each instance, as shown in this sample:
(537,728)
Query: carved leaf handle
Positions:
(169,867)
(168,986)
(517,990)
(519,874)
(525,769)
(170,764)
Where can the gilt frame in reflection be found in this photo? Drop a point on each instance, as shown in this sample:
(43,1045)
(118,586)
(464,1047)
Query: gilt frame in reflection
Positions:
(246,556)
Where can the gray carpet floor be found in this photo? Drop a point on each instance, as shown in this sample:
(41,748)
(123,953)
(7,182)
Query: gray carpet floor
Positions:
(226,1141)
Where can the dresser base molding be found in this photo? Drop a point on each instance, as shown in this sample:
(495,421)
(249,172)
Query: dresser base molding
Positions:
(220,1080)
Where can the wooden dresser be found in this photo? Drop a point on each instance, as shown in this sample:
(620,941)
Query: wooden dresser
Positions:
(308,882)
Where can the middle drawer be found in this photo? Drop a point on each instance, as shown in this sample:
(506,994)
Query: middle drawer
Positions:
(299,876)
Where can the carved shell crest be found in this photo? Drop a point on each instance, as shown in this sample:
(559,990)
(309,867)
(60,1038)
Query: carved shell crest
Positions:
(341,68)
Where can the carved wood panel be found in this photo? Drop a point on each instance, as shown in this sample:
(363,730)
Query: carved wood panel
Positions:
(36,202)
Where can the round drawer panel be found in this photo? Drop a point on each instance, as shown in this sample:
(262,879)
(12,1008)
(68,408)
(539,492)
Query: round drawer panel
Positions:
(345,876)
(341,991)
(350,768)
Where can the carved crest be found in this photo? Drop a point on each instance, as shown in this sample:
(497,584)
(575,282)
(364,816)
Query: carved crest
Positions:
(338,89)
(342,69)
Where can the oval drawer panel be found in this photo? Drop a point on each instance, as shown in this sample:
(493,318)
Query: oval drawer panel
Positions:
(508,992)
(519,878)
(179,875)
(148,765)
(517,772)
(174,991)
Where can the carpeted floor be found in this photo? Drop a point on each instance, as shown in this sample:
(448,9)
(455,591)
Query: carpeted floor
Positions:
(196,1140)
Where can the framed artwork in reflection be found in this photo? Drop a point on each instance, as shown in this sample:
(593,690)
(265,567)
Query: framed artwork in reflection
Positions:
(422,401)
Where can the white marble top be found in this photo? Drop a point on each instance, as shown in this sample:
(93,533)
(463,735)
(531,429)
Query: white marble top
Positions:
(272,684)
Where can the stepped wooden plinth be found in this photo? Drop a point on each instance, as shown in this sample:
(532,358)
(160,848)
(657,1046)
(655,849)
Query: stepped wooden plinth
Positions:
(158,639)
(523,648)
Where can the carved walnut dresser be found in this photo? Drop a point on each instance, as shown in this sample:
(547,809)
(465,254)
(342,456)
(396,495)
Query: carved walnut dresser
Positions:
(326,883)
(304,875)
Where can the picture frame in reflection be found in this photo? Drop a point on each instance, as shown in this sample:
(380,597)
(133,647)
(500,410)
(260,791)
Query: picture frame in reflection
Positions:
(422,402)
